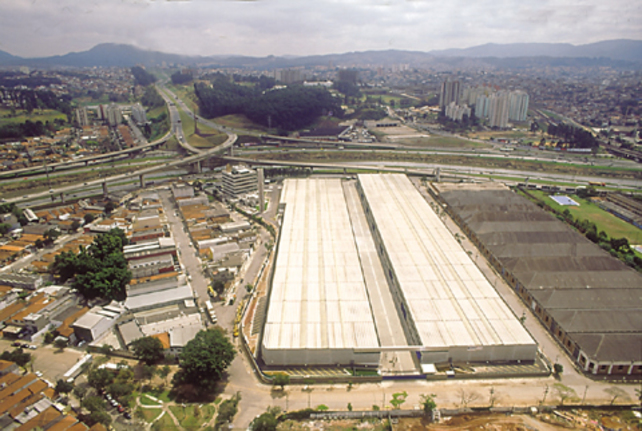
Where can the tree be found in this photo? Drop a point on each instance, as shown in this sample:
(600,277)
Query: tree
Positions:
(227,410)
(205,358)
(218,286)
(99,270)
(93,403)
(466,398)
(558,368)
(564,392)
(60,343)
(109,207)
(20,357)
(616,392)
(281,379)
(99,416)
(265,422)
(75,225)
(100,378)
(39,243)
(80,392)
(106,349)
(148,350)
(398,399)
(164,372)
(49,337)
(63,387)
(148,372)
(50,235)
(428,403)
(4,228)
(89,217)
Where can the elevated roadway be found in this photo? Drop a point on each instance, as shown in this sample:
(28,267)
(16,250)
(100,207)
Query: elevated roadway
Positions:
(136,174)
(85,161)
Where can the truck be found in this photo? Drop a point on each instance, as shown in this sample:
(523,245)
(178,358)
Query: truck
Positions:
(210,311)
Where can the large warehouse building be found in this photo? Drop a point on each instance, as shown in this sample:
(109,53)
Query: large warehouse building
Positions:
(319,312)
(446,305)
(589,301)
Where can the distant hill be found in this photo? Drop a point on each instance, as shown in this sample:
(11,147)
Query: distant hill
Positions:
(622,49)
(618,53)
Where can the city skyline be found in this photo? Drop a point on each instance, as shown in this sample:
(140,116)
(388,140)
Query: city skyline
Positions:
(283,27)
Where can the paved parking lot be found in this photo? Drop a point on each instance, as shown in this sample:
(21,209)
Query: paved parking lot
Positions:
(47,359)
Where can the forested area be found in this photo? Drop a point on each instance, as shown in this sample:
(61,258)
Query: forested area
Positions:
(100,270)
(179,77)
(151,99)
(290,108)
(575,136)
(142,77)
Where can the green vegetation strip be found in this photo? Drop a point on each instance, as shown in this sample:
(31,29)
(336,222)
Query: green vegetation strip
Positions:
(20,116)
(613,226)
(456,160)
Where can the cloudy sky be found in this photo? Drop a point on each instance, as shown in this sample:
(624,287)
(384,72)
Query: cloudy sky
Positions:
(32,28)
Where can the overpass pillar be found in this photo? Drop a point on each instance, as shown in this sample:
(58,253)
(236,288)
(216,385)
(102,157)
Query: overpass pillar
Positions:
(437,175)
(260,178)
(62,197)
(230,151)
(198,167)
(141,178)
(105,191)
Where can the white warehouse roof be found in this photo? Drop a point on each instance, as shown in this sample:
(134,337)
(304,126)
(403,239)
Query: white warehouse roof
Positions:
(450,301)
(318,298)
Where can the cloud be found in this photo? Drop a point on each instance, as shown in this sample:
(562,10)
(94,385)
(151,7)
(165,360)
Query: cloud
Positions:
(279,27)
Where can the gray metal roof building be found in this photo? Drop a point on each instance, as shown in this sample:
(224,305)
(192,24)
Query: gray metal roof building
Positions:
(319,311)
(589,301)
(447,306)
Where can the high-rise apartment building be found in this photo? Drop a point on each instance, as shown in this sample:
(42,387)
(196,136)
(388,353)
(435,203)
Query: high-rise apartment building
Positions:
(138,114)
(498,110)
(81,117)
(450,92)
(518,105)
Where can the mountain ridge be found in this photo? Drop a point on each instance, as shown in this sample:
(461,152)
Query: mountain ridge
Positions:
(619,51)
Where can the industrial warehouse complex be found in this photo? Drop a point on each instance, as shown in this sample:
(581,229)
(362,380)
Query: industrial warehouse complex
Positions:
(322,302)
(590,302)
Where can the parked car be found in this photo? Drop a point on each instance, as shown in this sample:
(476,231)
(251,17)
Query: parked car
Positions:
(120,408)
(127,415)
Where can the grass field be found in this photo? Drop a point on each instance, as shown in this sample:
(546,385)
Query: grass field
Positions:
(443,141)
(165,423)
(149,415)
(605,221)
(239,121)
(211,138)
(37,115)
(192,417)
(504,134)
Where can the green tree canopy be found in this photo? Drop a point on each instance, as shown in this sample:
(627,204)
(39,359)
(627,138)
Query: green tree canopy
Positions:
(148,350)
(100,378)
(20,357)
(205,358)
(281,379)
(265,422)
(63,387)
(142,77)
(100,270)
